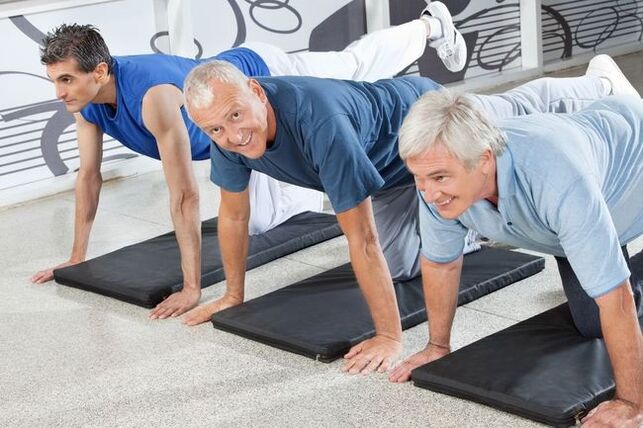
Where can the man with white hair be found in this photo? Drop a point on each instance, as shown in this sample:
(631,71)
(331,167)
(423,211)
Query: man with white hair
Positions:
(339,137)
(570,185)
(138,101)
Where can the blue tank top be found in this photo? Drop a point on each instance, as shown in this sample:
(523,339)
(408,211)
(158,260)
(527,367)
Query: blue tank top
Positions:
(135,75)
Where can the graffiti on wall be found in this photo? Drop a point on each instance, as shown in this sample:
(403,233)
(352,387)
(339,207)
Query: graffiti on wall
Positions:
(571,26)
(42,134)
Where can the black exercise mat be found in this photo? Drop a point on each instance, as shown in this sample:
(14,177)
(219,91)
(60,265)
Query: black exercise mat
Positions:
(323,316)
(147,272)
(540,368)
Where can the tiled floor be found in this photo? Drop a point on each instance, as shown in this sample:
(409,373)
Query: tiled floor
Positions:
(71,358)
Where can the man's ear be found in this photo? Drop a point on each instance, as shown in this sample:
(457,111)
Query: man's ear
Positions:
(486,161)
(101,72)
(256,89)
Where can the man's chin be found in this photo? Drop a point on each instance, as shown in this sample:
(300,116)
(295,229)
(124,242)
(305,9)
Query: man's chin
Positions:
(255,154)
(72,108)
(450,213)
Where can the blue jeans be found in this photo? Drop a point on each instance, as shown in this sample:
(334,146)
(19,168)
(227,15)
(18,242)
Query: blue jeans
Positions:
(583,308)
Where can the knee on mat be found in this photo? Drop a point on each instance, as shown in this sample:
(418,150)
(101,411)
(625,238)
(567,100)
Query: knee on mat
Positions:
(589,330)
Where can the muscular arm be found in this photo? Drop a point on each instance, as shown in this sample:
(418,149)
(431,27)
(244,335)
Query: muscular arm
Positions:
(162,117)
(374,279)
(234,213)
(440,283)
(624,342)
(88,185)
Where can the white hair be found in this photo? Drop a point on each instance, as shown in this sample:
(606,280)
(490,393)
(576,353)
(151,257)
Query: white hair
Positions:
(197,86)
(441,117)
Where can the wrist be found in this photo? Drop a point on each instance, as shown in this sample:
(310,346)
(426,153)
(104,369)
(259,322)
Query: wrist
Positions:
(396,337)
(234,297)
(187,286)
(443,346)
(634,405)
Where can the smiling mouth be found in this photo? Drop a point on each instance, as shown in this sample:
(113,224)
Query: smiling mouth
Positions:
(444,203)
(247,140)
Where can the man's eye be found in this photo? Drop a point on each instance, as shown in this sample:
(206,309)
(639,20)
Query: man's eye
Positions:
(236,115)
(215,130)
(440,178)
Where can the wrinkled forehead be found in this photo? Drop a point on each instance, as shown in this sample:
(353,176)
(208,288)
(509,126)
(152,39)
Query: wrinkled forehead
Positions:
(223,103)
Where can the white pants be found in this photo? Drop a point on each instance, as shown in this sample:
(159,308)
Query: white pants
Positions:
(375,56)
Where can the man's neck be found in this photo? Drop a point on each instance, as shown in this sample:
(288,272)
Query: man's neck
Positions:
(490,187)
(272,124)
(107,93)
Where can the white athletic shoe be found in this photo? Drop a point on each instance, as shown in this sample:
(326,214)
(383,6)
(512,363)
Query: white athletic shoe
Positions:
(450,47)
(604,66)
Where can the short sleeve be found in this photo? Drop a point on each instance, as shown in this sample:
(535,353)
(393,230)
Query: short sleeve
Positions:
(227,172)
(588,237)
(442,239)
(346,173)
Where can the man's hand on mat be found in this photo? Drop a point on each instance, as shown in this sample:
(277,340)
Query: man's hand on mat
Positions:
(48,274)
(203,313)
(176,304)
(614,413)
(402,373)
(373,354)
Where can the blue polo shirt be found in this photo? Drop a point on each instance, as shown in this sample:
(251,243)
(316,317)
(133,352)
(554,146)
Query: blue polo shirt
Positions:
(336,136)
(135,75)
(569,185)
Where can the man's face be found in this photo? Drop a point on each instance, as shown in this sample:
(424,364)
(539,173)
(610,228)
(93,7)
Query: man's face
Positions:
(446,183)
(73,86)
(237,119)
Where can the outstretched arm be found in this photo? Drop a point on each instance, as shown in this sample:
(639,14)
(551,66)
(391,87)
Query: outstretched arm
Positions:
(624,342)
(162,117)
(88,185)
(374,278)
(234,213)
(441,282)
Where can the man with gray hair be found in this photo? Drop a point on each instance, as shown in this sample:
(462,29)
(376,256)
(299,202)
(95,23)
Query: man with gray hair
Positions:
(339,137)
(138,101)
(544,182)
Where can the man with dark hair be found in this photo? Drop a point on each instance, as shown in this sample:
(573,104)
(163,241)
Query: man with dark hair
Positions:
(138,101)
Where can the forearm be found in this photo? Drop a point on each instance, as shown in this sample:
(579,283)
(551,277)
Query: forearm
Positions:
(233,241)
(375,282)
(187,226)
(624,344)
(87,194)
(441,283)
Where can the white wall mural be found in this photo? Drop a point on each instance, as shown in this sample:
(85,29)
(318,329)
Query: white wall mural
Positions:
(37,136)
(571,27)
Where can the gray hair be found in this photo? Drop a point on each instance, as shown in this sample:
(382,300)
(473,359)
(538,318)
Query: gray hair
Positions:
(197,86)
(441,117)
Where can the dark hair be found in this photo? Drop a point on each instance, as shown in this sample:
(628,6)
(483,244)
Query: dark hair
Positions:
(81,42)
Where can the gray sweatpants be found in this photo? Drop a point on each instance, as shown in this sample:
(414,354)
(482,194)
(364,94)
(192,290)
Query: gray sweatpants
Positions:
(396,209)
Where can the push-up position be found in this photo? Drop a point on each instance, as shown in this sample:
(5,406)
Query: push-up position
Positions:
(339,137)
(138,101)
(570,185)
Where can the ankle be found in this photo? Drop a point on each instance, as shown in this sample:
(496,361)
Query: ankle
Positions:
(433,27)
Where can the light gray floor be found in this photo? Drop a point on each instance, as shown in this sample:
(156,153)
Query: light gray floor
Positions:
(72,358)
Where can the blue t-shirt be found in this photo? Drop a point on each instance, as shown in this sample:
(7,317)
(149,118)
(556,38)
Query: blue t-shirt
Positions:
(569,185)
(135,75)
(335,136)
